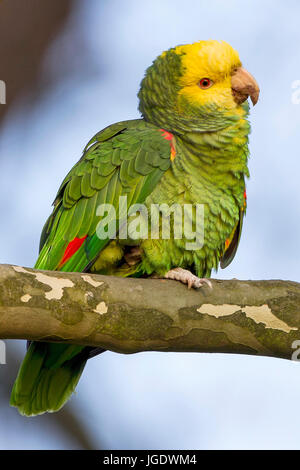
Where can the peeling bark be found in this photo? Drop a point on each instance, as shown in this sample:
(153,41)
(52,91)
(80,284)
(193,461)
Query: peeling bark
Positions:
(134,315)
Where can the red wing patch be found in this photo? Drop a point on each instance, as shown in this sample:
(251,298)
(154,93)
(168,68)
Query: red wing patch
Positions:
(245,200)
(71,249)
(168,136)
(227,243)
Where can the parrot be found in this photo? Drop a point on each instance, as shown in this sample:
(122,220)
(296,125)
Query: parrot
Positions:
(189,147)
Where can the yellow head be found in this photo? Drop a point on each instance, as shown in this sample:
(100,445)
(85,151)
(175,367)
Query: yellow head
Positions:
(207,69)
(196,80)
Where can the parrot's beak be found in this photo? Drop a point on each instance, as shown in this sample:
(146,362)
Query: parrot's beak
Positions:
(243,85)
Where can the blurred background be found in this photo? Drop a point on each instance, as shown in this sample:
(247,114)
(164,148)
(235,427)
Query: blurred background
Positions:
(74,67)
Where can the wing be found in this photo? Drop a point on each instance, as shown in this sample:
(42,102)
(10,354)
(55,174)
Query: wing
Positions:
(125,159)
(232,243)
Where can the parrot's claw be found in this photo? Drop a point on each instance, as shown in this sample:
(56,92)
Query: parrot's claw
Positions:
(186,277)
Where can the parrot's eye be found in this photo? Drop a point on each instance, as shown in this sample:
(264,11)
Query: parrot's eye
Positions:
(205,83)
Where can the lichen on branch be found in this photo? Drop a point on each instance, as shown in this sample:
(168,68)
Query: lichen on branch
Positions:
(134,315)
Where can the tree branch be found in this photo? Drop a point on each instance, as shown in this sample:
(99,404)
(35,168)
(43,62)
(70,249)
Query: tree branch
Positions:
(133,315)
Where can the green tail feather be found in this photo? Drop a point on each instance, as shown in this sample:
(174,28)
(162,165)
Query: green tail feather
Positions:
(47,377)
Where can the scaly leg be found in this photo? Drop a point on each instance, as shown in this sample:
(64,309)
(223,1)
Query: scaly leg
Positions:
(186,277)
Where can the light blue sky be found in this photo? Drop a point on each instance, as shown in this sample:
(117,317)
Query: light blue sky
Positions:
(160,400)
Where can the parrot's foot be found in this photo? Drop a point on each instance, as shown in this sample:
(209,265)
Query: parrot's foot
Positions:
(186,277)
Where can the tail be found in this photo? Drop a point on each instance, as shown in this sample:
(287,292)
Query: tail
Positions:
(47,377)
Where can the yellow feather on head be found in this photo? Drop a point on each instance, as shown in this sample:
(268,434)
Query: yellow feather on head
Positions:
(215,60)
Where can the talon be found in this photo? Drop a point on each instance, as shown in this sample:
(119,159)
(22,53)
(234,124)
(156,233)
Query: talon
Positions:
(207,281)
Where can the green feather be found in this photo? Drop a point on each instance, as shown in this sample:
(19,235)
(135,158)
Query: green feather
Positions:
(132,158)
(47,377)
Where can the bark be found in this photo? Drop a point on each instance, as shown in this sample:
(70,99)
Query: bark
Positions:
(134,315)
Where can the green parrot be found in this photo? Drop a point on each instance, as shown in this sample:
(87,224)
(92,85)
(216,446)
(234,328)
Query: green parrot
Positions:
(190,148)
